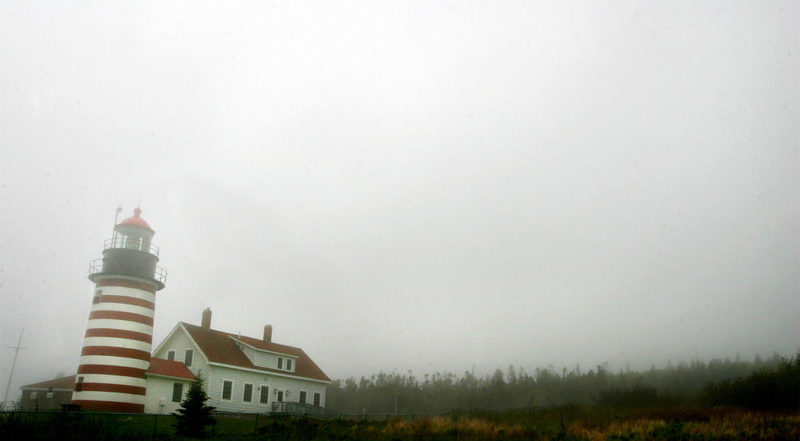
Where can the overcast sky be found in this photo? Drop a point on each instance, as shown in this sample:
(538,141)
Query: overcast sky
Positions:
(411,185)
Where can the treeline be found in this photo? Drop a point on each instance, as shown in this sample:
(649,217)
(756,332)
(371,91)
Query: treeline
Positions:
(775,389)
(682,384)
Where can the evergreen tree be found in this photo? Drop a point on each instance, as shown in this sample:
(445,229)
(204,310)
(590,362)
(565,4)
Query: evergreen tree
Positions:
(193,416)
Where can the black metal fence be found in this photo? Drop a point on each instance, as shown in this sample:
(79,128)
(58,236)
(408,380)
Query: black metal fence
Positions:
(107,425)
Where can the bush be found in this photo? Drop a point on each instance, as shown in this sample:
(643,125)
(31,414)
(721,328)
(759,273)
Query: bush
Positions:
(193,416)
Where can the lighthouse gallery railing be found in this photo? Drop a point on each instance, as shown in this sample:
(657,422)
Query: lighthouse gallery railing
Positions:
(96,267)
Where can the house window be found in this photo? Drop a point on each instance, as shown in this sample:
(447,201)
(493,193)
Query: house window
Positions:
(33,395)
(302,396)
(264,394)
(227,387)
(171,355)
(79,384)
(177,392)
(280,395)
(316,399)
(285,363)
(187,360)
(248,393)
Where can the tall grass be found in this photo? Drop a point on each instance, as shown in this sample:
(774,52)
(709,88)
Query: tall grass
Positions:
(569,423)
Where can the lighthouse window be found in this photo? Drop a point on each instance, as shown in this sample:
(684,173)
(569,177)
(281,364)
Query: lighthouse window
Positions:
(187,360)
(79,384)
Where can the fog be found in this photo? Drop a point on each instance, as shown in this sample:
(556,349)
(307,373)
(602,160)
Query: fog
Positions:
(417,185)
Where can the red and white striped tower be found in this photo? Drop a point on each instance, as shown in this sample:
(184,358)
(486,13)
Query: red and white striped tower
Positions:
(119,334)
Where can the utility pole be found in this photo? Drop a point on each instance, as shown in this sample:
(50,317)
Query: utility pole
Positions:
(13,365)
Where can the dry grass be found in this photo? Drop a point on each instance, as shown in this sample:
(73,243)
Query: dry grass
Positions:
(729,424)
(459,428)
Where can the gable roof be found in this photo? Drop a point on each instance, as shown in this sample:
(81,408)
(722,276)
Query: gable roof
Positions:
(57,383)
(169,368)
(220,347)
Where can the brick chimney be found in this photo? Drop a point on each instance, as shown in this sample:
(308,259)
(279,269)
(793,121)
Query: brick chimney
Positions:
(206,322)
(268,333)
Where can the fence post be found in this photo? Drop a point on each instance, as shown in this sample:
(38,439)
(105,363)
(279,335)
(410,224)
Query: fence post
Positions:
(255,427)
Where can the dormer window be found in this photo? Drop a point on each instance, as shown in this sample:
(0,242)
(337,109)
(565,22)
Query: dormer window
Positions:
(285,364)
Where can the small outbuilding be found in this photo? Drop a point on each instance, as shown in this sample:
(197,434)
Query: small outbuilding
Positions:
(47,395)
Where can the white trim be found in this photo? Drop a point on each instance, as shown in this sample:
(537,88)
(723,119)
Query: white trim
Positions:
(260,387)
(287,367)
(196,346)
(169,377)
(182,394)
(174,329)
(252,389)
(261,371)
(222,390)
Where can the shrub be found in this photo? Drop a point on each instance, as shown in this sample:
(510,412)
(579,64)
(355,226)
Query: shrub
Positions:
(193,416)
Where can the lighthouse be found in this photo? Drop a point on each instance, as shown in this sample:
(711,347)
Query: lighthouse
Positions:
(119,333)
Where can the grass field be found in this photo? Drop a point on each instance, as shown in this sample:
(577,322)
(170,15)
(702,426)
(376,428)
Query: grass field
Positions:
(560,423)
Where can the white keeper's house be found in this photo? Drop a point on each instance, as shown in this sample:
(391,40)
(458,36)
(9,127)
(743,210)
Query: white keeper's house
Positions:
(245,374)
(118,373)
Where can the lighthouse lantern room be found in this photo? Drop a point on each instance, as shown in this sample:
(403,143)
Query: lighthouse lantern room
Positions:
(119,333)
